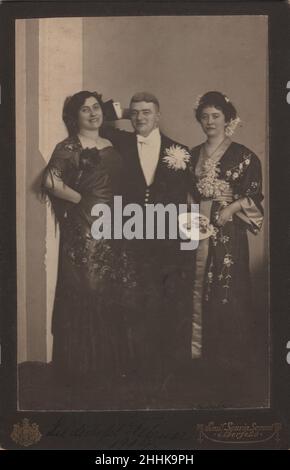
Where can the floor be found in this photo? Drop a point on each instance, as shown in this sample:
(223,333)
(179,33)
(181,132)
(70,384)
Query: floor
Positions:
(201,387)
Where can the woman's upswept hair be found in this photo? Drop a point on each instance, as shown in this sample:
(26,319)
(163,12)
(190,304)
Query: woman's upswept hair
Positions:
(71,108)
(219,101)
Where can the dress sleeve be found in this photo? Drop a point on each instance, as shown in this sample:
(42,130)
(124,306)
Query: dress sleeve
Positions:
(250,194)
(61,166)
(58,164)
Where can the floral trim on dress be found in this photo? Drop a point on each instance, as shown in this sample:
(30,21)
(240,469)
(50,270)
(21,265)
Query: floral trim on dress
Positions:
(72,146)
(83,250)
(211,185)
(254,186)
(224,276)
(237,171)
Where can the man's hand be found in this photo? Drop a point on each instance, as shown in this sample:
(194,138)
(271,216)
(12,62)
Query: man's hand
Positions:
(113,111)
(118,109)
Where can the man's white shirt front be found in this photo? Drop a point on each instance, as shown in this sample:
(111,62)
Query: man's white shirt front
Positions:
(149,151)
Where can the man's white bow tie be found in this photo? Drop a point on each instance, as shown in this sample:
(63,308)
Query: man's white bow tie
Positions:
(143,140)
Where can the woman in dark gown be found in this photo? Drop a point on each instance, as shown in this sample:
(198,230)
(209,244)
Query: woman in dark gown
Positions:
(228,187)
(96,282)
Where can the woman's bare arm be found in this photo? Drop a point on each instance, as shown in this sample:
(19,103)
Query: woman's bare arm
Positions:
(57,187)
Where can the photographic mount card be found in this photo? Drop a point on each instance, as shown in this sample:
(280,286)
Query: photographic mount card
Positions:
(183,54)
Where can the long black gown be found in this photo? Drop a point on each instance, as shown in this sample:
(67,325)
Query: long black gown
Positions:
(96,278)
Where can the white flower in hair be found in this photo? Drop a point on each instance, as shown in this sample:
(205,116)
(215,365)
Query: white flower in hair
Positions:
(231,126)
(197,101)
(176,157)
(226,99)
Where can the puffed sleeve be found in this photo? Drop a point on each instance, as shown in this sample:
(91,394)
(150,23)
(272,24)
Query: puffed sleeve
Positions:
(61,164)
(250,193)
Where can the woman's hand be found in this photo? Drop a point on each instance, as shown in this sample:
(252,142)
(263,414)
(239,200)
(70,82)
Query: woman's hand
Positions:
(226,214)
(57,187)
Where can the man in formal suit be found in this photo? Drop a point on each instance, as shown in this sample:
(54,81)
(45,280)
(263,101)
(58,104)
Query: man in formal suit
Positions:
(148,176)
(160,329)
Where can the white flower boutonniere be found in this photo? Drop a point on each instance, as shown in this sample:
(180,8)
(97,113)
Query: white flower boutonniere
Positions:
(176,157)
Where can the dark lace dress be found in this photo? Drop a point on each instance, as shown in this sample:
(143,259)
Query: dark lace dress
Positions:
(96,278)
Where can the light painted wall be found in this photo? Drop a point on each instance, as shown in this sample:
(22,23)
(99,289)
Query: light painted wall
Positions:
(49,68)
(60,75)
(178,59)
